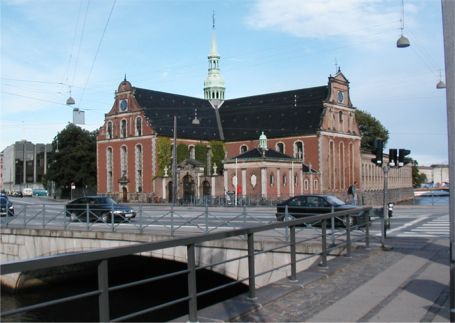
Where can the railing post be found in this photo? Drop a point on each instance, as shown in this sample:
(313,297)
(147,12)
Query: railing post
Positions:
(293,255)
(172,219)
(206,216)
(44,215)
(87,216)
(324,244)
(112,218)
(286,218)
(251,271)
(192,287)
(25,215)
(103,286)
(367,229)
(244,214)
(333,226)
(348,235)
(141,227)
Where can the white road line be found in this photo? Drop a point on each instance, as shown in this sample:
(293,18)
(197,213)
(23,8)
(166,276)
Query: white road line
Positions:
(406,225)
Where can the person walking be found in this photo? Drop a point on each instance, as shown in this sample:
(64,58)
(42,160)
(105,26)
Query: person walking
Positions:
(352,192)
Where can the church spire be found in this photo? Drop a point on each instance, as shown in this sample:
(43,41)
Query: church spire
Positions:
(214,83)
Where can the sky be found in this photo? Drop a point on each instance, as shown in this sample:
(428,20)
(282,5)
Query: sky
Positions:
(53,48)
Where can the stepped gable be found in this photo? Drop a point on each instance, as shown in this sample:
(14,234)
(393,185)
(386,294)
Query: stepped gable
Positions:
(281,114)
(160,108)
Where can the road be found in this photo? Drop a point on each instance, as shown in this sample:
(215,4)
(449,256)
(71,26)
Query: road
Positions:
(413,221)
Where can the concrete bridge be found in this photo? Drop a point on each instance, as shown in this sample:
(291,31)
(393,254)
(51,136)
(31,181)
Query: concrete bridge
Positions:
(27,243)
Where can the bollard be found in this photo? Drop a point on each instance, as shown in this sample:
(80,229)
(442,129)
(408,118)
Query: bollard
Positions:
(348,235)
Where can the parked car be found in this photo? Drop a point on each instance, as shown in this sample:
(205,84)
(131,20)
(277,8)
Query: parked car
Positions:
(6,206)
(17,194)
(27,191)
(39,192)
(100,209)
(310,205)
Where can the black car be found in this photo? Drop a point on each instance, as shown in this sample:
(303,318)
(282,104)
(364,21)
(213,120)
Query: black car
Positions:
(6,206)
(309,205)
(98,209)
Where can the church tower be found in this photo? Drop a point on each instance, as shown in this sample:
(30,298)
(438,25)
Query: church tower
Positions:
(214,83)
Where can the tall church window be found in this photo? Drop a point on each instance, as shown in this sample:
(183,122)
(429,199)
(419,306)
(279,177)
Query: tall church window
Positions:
(138,126)
(280,147)
(109,130)
(192,152)
(123,129)
(298,150)
(109,167)
(123,160)
(138,165)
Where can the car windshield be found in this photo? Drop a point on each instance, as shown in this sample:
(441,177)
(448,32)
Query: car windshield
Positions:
(334,200)
(105,200)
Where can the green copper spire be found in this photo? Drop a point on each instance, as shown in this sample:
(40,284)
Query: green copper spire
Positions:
(214,83)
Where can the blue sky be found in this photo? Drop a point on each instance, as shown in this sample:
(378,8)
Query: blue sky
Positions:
(51,46)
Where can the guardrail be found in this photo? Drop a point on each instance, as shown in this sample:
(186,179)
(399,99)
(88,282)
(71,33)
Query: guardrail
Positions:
(102,258)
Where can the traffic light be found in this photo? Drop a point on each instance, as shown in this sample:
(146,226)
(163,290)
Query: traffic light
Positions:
(378,146)
(402,160)
(393,158)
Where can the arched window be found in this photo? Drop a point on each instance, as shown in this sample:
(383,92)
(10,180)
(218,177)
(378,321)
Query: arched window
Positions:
(123,161)
(280,147)
(109,167)
(123,129)
(192,152)
(138,126)
(138,166)
(109,131)
(298,150)
(285,179)
(243,149)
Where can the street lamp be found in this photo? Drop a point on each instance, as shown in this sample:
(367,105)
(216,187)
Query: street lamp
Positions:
(402,42)
(174,156)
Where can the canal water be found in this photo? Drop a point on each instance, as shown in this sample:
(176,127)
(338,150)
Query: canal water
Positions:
(122,270)
(435,199)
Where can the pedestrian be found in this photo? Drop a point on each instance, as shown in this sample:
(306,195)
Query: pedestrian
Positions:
(352,192)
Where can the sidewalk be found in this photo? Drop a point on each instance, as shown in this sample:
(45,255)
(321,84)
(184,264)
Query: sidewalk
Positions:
(409,283)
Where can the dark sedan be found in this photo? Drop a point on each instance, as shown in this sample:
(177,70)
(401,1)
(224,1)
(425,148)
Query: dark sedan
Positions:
(98,209)
(6,206)
(309,205)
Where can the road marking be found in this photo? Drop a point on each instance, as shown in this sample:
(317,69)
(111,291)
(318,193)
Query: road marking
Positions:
(409,224)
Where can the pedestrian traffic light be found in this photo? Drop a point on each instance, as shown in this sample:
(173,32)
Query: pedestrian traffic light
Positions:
(402,160)
(378,146)
(393,158)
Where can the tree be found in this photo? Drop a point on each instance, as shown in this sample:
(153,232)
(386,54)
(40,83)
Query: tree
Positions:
(418,178)
(370,130)
(75,159)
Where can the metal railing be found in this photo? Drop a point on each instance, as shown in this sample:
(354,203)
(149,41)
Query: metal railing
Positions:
(102,258)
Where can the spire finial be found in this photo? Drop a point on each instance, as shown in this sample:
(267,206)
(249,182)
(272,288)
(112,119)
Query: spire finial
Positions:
(213,19)
(124,78)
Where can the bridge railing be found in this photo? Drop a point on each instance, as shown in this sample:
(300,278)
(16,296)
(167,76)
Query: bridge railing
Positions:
(102,258)
(168,219)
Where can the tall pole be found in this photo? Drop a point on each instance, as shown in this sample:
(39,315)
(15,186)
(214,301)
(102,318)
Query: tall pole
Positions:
(174,163)
(385,214)
(448,24)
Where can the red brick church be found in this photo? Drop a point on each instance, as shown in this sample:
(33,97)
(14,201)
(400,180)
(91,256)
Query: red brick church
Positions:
(268,146)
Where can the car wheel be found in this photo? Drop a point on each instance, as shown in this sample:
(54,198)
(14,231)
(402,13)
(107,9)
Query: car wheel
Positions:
(73,217)
(106,218)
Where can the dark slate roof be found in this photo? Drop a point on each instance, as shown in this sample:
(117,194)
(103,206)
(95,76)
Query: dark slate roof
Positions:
(270,155)
(257,153)
(282,114)
(160,108)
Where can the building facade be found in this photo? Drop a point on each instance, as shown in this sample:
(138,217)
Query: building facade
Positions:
(24,165)
(312,142)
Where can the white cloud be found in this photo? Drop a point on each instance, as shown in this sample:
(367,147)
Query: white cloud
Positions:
(357,21)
